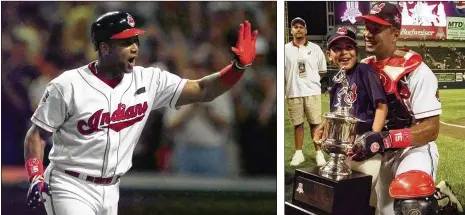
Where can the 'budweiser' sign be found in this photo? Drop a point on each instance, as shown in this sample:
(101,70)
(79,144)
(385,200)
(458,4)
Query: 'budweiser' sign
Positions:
(414,32)
(423,32)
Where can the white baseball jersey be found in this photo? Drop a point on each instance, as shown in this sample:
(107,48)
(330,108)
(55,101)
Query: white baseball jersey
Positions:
(423,86)
(301,69)
(423,102)
(96,127)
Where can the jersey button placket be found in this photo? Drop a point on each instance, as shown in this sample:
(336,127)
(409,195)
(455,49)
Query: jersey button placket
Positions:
(113,158)
(114,139)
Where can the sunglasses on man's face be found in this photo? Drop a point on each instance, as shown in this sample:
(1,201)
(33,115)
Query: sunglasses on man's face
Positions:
(375,28)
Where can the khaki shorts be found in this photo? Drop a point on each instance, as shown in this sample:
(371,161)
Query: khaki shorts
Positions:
(308,107)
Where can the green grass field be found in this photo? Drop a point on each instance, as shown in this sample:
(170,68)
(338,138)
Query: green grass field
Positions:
(451,141)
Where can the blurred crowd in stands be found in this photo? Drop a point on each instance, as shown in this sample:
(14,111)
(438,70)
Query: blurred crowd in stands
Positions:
(233,135)
(442,57)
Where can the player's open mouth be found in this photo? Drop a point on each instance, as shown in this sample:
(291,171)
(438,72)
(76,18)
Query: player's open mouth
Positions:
(132,61)
(343,60)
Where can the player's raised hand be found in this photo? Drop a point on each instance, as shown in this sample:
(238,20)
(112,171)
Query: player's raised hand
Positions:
(244,50)
(36,191)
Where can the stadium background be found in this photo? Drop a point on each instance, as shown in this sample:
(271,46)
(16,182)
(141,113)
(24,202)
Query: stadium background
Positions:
(442,47)
(42,39)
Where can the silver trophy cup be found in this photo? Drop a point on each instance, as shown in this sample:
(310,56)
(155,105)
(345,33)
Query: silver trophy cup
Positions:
(339,132)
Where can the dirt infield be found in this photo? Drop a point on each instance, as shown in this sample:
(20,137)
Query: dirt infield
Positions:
(453,131)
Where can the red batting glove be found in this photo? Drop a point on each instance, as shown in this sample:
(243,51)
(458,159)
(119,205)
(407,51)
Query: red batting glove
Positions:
(245,47)
(244,54)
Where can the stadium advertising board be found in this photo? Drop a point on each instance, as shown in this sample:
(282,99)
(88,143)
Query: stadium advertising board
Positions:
(459,76)
(446,77)
(423,32)
(456,28)
(345,12)
(414,13)
(415,32)
(424,13)
(450,78)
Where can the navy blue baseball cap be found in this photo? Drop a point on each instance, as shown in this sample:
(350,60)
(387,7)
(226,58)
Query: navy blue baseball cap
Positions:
(298,20)
(384,13)
(339,33)
(114,25)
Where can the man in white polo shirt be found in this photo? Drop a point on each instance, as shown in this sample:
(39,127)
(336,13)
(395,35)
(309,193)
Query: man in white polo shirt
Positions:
(304,63)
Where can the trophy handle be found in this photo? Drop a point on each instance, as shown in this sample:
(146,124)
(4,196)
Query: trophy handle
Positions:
(321,128)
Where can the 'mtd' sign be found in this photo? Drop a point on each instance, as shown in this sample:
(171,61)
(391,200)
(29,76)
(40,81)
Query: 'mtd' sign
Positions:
(455,25)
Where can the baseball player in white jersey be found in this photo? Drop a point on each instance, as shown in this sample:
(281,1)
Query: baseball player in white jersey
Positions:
(409,154)
(96,114)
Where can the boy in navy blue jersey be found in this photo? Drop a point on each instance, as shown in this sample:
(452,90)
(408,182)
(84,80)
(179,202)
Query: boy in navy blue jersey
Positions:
(363,81)
(365,94)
